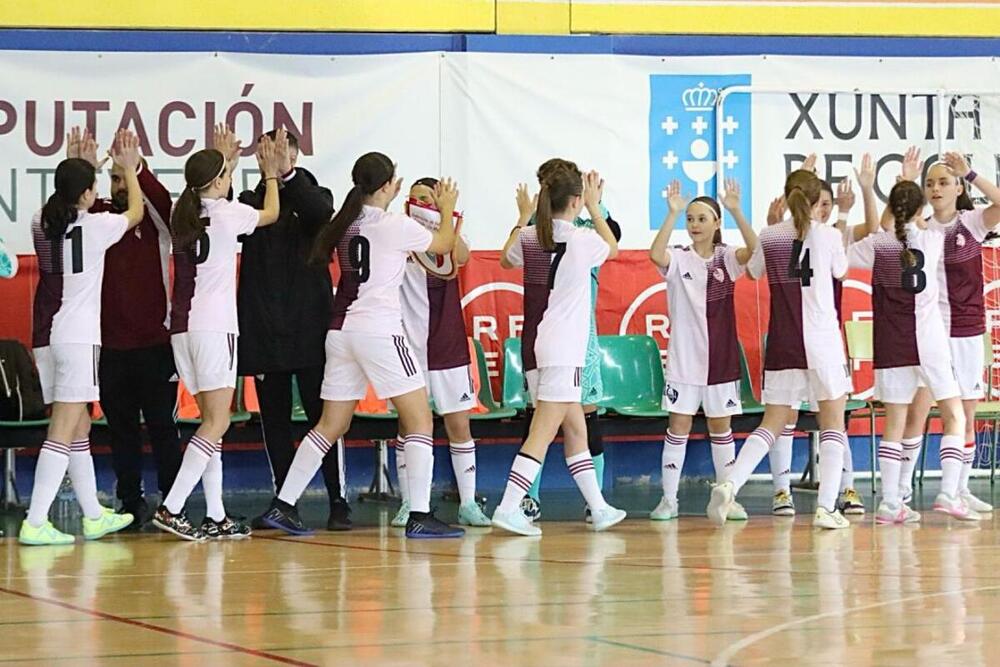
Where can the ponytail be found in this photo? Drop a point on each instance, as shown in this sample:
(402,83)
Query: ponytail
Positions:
(73,178)
(560,180)
(905,200)
(371,171)
(543,219)
(200,171)
(802,191)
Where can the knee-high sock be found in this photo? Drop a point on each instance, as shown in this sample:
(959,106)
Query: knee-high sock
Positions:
(581,466)
(53,460)
(419,470)
(753,452)
(911,452)
(674,449)
(81,474)
(196,456)
(307,461)
(968,458)
(723,454)
(847,474)
(211,484)
(595,443)
(890,461)
(780,458)
(831,465)
(463,461)
(523,470)
(952,460)
(401,481)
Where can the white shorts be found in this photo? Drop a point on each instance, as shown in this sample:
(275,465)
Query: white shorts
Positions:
(794,386)
(205,360)
(717,400)
(68,372)
(452,390)
(555,384)
(354,359)
(899,385)
(967,358)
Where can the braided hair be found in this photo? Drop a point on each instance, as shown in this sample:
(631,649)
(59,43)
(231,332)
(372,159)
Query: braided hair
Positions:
(905,200)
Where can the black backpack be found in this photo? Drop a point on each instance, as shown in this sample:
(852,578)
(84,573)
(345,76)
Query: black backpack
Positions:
(20,390)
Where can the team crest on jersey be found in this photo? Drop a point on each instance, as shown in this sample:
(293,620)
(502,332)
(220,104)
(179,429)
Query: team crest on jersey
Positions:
(960,240)
(670,393)
(719,274)
(442,266)
(682,138)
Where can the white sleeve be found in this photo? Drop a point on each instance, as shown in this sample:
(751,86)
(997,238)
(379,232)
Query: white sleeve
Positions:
(973,221)
(673,254)
(597,248)
(244,218)
(410,235)
(515,253)
(733,266)
(861,255)
(110,227)
(756,267)
(838,257)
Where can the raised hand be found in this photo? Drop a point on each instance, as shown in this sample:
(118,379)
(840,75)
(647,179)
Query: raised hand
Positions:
(676,201)
(281,151)
(73,141)
(731,198)
(957,163)
(225,141)
(593,189)
(911,164)
(776,211)
(526,203)
(267,158)
(125,150)
(845,195)
(810,163)
(88,150)
(446,194)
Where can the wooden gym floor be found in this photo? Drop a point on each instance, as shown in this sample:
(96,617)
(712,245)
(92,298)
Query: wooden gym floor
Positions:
(675,593)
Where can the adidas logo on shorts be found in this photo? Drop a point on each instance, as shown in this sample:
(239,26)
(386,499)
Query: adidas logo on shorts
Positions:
(465,397)
(730,403)
(687,276)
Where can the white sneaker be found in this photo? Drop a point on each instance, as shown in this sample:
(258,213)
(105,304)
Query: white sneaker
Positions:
(515,522)
(736,512)
(955,507)
(402,516)
(830,520)
(723,495)
(974,503)
(607,517)
(912,515)
(665,511)
(783,504)
(851,502)
(888,513)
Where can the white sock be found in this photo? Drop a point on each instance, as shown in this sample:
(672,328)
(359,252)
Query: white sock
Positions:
(404,487)
(847,474)
(890,461)
(419,470)
(463,461)
(780,459)
(196,457)
(952,460)
(81,474)
(308,459)
(522,474)
(581,466)
(831,465)
(211,484)
(674,449)
(752,452)
(50,469)
(969,457)
(723,454)
(911,452)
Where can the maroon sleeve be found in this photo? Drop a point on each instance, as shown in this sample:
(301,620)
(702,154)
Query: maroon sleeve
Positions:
(155,192)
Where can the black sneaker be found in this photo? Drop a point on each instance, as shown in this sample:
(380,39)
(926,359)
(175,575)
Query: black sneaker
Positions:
(138,509)
(421,526)
(285,517)
(227,529)
(178,524)
(257,523)
(340,516)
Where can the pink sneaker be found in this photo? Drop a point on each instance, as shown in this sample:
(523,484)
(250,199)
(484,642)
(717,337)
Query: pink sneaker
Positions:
(955,507)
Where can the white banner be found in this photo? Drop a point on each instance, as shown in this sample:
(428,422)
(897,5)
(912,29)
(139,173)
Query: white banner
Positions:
(490,119)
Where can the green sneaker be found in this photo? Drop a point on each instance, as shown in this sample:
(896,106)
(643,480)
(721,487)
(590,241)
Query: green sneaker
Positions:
(736,512)
(108,522)
(470,514)
(42,536)
(402,516)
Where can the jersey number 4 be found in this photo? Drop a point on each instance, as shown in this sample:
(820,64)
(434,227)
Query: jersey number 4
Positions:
(557,256)
(798,265)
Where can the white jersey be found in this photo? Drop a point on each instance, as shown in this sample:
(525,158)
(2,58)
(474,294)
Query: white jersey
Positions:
(557,286)
(804,330)
(961,273)
(372,256)
(204,297)
(67,306)
(909,330)
(703,346)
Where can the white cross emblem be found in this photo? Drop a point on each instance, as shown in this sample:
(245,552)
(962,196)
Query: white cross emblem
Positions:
(670,125)
(730,125)
(730,159)
(670,159)
(699,126)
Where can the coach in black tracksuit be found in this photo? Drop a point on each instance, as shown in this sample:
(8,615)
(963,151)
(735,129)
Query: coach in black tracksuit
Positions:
(284,314)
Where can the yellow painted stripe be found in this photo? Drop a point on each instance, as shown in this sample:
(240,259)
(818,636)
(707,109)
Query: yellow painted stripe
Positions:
(784,19)
(533,17)
(332,15)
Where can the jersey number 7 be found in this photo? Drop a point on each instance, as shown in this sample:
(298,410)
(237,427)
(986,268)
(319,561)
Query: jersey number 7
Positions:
(554,266)
(798,265)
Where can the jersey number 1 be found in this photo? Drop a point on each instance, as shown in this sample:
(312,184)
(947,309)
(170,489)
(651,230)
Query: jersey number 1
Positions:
(554,266)
(75,237)
(798,266)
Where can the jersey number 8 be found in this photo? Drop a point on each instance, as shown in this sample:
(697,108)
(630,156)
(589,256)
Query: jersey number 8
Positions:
(914,280)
